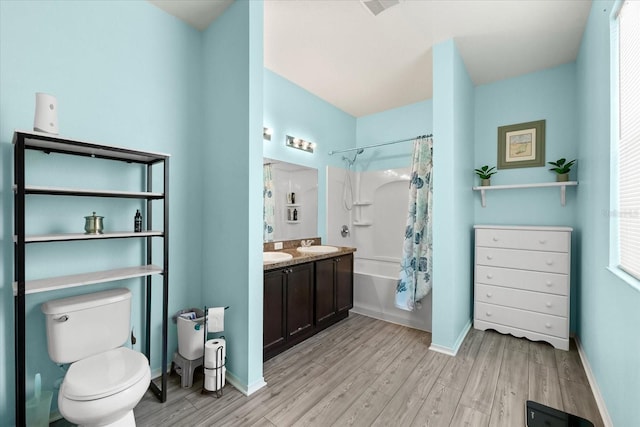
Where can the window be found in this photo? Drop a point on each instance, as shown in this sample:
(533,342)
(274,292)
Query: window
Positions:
(628,182)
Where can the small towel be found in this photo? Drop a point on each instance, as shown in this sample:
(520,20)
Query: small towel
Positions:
(215,319)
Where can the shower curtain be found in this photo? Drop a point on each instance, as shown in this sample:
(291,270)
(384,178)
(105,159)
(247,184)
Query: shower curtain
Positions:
(416,264)
(269,206)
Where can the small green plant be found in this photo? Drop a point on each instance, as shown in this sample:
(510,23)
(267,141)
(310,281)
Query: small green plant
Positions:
(485,172)
(561,166)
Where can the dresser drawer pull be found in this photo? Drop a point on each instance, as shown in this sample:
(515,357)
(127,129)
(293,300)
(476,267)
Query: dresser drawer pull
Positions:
(549,283)
(549,262)
(548,304)
(542,241)
(489,276)
(488,313)
(495,239)
(489,294)
(489,257)
(547,325)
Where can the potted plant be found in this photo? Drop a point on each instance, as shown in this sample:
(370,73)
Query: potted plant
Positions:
(562,168)
(485,173)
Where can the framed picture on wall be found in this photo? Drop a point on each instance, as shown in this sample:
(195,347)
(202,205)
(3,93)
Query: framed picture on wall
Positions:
(521,145)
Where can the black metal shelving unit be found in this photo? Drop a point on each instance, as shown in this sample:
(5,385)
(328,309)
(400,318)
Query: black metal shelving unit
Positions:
(48,143)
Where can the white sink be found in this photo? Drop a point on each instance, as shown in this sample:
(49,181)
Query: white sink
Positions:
(318,249)
(271,257)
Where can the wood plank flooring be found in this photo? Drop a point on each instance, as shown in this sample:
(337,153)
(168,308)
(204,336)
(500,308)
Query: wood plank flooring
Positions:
(365,372)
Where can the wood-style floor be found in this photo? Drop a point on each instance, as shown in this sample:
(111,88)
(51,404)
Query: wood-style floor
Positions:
(366,372)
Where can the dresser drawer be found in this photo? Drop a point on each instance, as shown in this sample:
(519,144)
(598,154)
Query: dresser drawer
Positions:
(526,300)
(523,319)
(550,241)
(552,262)
(536,281)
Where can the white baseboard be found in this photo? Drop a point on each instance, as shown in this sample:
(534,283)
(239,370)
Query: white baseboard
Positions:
(456,346)
(606,418)
(247,390)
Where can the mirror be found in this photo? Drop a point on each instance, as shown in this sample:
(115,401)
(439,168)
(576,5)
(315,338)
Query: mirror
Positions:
(294,201)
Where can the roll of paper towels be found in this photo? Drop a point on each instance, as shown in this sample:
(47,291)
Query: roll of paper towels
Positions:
(215,353)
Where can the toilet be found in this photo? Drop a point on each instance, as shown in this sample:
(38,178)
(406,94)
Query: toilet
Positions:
(105,381)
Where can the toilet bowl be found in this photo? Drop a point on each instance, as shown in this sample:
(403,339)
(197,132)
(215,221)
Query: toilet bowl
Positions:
(105,381)
(103,389)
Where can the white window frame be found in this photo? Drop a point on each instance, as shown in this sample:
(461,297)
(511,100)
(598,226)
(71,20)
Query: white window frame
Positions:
(616,214)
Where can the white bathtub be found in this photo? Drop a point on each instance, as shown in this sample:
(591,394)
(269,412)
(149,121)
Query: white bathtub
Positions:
(374,287)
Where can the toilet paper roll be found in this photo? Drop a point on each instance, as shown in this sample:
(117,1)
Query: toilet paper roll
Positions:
(215,319)
(46,117)
(215,353)
(214,379)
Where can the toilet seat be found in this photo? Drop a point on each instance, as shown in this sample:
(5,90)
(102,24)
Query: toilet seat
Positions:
(105,374)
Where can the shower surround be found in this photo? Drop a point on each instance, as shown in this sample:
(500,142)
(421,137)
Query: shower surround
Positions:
(377,223)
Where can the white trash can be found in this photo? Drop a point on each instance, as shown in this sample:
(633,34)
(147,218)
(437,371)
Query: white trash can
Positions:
(190,333)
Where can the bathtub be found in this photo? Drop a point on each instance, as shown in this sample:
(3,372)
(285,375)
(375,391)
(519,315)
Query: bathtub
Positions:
(374,286)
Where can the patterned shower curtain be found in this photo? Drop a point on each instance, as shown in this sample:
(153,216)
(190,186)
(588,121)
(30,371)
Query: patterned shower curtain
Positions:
(269,208)
(416,265)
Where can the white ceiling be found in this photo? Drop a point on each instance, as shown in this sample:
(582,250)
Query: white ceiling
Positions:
(363,64)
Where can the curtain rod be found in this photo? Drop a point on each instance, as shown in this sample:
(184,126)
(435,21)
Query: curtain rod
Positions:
(332,152)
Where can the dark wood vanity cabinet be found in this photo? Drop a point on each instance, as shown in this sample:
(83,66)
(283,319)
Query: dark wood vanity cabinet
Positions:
(304,299)
(334,289)
(288,307)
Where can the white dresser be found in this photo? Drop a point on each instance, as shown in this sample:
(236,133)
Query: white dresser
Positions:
(521,281)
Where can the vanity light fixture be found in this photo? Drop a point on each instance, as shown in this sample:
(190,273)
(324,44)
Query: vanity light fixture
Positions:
(266,133)
(300,144)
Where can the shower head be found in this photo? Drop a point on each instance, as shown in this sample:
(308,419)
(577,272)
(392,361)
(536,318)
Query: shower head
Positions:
(360,151)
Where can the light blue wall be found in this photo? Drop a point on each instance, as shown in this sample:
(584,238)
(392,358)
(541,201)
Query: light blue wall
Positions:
(404,122)
(550,95)
(291,110)
(232,183)
(608,314)
(453,120)
(124,74)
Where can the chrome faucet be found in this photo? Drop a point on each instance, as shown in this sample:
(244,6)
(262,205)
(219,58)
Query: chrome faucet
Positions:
(306,243)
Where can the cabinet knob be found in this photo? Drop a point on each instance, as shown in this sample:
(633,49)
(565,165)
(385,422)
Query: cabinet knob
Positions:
(549,283)
(489,257)
(542,241)
(495,239)
(489,294)
(549,262)
(489,276)
(547,325)
(548,304)
(488,313)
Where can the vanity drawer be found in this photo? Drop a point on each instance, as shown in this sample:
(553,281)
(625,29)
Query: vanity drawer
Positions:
(526,300)
(550,241)
(523,319)
(536,281)
(552,262)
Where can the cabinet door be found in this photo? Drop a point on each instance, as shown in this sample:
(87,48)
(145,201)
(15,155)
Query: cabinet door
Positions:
(299,301)
(274,328)
(325,290)
(344,283)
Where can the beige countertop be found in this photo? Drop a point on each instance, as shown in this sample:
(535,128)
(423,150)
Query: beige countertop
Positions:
(300,258)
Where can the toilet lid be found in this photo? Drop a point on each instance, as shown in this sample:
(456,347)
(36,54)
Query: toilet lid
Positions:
(104,374)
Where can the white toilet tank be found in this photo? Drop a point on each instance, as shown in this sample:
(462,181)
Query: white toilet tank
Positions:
(84,325)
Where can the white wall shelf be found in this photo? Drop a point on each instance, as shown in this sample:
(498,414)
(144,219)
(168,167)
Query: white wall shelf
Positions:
(70,281)
(562,185)
(62,237)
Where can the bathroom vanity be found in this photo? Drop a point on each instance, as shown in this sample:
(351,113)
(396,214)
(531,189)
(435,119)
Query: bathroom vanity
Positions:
(305,295)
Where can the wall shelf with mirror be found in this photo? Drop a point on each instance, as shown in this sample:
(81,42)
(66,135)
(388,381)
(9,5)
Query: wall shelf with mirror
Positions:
(562,185)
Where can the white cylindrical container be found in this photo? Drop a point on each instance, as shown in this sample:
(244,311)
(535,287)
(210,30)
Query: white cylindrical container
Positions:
(46,117)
